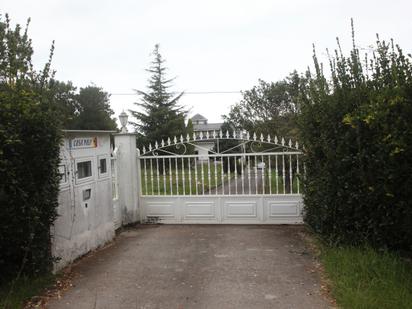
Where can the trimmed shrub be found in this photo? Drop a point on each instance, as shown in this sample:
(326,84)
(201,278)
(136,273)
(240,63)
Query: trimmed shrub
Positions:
(29,156)
(357,132)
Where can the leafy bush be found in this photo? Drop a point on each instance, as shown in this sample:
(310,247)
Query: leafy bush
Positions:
(357,131)
(29,155)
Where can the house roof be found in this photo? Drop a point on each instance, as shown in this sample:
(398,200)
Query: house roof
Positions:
(207,127)
(198,117)
(88,131)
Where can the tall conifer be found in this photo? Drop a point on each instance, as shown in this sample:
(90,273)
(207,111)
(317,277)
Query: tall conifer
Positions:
(158,115)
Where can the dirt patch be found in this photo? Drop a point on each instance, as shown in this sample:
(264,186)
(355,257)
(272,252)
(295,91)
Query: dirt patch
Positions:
(313,246)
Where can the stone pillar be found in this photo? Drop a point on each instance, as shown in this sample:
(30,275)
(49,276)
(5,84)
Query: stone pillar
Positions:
(127,177)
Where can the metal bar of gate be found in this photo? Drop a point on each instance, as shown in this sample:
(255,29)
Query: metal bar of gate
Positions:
(183,176)
(190,175)
(284,181)
(215,175)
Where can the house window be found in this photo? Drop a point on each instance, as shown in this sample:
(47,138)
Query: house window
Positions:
(84,169)
(103,166)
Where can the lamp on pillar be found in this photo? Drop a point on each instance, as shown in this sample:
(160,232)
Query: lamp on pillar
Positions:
(123,121)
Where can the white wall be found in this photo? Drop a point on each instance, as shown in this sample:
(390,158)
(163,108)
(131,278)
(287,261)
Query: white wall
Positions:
(203,149)
(83,225)
(127,207)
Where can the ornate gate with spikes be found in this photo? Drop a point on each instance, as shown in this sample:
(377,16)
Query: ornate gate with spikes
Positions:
(243,179)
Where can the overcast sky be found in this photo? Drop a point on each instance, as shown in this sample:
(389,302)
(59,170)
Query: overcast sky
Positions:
(213,45)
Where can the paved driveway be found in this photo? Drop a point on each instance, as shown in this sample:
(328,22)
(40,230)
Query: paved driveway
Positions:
(198,266)
(251,183)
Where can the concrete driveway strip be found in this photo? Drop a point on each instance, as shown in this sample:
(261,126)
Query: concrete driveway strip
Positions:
(198,266)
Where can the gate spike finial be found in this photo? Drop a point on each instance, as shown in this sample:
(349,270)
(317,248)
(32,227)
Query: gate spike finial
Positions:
(214,133)
(207,134)
(276,139)
(144,149)
(187,137)
(254,136)
(150,147)
(156,145)
(261,137)
(227,134)
(174,140)
(181,138)
(220,133)
(283,141)
(162,143)
(268,138)
(194,136)
(138,151)
(247,135)
(201,135)
(290,143)
(168,141)
(297,145)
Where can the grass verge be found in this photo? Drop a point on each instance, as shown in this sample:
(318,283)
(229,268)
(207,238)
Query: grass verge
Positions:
(366,278)
(15,295)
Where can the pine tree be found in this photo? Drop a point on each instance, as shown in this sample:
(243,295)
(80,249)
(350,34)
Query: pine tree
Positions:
(158,116)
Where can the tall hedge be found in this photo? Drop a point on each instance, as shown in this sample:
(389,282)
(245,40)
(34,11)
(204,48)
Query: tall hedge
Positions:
(29,155)
(357,130)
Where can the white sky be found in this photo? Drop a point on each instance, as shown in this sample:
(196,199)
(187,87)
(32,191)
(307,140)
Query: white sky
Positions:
(211,45)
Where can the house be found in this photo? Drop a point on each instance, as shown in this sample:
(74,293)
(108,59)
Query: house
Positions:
(202,128)
(200,124)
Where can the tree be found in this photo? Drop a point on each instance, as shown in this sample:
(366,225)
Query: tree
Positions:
(65,98)
(88,109)
(29,157)
(158,116)
(269,108)
(229,146)
(93,110)
(189,130)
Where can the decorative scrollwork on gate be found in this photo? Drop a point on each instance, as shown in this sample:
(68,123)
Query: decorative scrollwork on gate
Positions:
(179,146)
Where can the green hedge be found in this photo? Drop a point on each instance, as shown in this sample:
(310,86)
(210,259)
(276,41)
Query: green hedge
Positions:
(29,156)
(357,132)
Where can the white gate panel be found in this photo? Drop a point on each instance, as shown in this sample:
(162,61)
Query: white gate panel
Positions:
(257,181)
(199,210)
(164,209)
(223,209)
(283,209)
(240,210)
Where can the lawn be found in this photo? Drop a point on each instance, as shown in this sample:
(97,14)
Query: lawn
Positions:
(366,278)
(182,181)
(276,182)
(15,295)
(179,181)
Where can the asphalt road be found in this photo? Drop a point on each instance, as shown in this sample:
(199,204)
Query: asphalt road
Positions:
(198,266)
(249,184)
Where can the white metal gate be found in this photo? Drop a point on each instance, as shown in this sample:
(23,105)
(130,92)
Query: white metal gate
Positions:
(247,180)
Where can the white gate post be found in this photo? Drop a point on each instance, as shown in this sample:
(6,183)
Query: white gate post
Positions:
(127,177)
